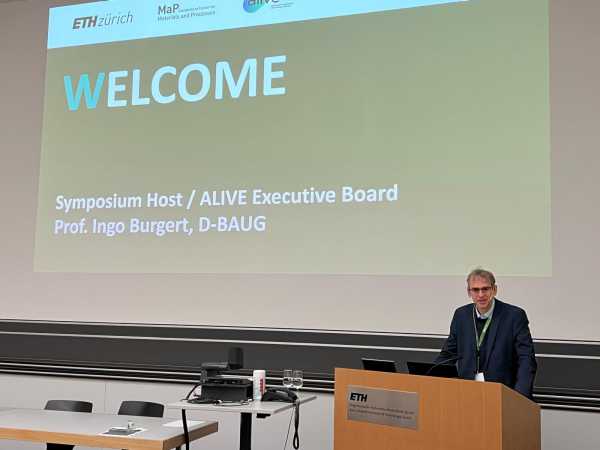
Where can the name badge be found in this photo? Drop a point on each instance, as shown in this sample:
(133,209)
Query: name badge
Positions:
(479,377)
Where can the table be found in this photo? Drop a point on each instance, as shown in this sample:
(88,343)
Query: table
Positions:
(261,409)
(75,428)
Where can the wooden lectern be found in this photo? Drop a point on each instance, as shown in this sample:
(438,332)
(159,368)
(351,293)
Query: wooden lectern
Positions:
(452,415)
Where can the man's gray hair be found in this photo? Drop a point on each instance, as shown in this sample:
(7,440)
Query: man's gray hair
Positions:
(482,273)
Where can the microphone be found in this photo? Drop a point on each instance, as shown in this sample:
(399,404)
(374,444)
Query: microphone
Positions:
(445,361)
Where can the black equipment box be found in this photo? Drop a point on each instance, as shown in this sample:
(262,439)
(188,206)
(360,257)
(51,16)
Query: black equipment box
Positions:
(226,389)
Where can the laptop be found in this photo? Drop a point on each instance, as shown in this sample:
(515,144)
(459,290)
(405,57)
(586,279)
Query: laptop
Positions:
(379,365)
(431,369)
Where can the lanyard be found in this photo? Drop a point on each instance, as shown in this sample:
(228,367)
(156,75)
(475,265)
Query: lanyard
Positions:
(482,336)
(479,338)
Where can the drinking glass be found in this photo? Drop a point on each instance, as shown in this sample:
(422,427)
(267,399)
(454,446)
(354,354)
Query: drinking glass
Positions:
(297,379)
(287,378)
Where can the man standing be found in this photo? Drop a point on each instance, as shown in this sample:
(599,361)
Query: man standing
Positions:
(490,339)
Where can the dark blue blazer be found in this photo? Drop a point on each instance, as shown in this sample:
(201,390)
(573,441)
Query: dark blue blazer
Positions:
(507,354)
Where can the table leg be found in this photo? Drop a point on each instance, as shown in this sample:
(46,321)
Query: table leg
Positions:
(185,430)
(246,431)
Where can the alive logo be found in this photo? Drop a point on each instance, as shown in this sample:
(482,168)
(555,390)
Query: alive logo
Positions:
(252,6)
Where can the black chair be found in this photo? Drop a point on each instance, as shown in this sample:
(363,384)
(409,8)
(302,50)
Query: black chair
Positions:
(137,408)
(66,405)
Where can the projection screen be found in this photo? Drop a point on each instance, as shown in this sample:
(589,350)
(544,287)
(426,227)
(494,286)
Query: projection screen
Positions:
(292,164)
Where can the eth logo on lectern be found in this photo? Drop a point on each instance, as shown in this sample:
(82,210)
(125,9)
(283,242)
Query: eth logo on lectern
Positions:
(383,407)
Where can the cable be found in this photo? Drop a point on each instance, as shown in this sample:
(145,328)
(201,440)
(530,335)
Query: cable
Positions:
(296,441)
(296,416)
(187,397)
(287,435)
(233,402)
(204,401)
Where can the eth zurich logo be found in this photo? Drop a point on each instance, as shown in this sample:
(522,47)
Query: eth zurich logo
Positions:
(254,5)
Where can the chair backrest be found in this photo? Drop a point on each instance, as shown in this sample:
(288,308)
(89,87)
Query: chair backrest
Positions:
(138,408)
(69,405)
(66,405)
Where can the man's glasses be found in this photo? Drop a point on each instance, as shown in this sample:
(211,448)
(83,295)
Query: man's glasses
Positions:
(483,290)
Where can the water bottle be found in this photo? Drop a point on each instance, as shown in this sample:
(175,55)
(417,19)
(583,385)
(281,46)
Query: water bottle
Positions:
(258,384)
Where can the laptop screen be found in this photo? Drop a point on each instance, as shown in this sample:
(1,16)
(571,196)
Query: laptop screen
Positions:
(380,365)
(431,369)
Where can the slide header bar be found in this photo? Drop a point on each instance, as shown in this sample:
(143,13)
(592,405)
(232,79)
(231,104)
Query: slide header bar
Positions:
(124,20)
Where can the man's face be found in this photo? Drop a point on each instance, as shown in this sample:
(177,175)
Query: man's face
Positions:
(481,292)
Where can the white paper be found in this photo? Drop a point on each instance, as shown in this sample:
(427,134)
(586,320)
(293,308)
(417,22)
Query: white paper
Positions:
(179,423)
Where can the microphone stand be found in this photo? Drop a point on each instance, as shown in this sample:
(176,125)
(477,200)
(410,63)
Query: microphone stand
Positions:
(445,361)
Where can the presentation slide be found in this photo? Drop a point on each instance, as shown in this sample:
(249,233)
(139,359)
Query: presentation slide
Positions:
(391,137)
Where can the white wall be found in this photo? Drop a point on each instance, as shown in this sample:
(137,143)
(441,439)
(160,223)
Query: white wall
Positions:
(561,430)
